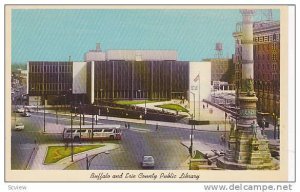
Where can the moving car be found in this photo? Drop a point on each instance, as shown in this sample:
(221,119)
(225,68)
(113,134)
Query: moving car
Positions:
(19,126)
(25,114)
(148,162)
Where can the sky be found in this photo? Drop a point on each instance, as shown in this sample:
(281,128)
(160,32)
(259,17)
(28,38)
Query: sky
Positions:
(54,35)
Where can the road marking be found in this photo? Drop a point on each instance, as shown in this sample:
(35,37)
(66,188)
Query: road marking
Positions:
(60,118)
(140,130)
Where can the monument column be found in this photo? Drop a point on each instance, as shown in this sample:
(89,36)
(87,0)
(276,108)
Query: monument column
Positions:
(247,98)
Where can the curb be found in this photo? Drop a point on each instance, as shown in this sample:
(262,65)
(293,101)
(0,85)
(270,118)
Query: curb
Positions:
(32,157)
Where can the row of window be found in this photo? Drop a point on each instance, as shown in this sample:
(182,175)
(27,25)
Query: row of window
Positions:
(265,56)
(40,68)
(267,38)
(50,87)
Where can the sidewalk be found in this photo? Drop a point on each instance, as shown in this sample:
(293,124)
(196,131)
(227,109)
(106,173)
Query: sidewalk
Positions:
(209,112)
(216,119)
(204,147)
(38,162)
(58,128)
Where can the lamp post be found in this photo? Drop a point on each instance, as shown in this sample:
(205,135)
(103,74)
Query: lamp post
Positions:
(89,161)
(225,128)
(72,147)
(92,127)
(56,110)
(100,102)
(145,110)
(80,121)
(65,104)
(274,124)
(107,111)
(192,131)
(278,123)
(37,101)
(44,111)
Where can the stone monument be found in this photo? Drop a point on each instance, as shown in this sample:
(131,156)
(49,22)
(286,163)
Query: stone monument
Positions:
(247,148)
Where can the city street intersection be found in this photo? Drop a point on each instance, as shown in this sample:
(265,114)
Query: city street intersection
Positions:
(168,144)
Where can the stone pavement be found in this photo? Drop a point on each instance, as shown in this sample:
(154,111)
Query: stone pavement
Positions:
(38,159)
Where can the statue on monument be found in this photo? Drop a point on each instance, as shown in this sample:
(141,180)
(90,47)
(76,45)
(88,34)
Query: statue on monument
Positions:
(250,87)
(232,126)
(254,129)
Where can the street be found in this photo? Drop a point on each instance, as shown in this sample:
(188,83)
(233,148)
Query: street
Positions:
(164,144)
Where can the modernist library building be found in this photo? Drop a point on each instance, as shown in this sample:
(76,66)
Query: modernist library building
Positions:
(110,75)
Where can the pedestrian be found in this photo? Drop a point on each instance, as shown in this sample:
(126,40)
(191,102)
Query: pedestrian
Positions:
(125,125)
(156,127)
(218,127)
(203,106)
(66,145)
(128,126)
(222,139)
(206,105)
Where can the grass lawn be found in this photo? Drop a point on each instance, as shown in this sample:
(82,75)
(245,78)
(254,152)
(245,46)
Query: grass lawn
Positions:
(56,153)
(198,155)
(174,107)
(133,102)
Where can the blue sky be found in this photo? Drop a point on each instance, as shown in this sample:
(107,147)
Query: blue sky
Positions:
(55,34)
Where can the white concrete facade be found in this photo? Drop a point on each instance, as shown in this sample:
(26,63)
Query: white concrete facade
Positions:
(141,55)
(92,82)
(199,85)
(94,56)
(79,77)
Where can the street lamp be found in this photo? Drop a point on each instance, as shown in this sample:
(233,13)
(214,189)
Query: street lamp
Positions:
(225,127)
(65,104)
(274,124)
(44,111)
(56,109)
(89,161)
(72,140)
(145,111)
(100,102)
(278,123)
(192,131)
(107,111)
(80,121)
(37,101)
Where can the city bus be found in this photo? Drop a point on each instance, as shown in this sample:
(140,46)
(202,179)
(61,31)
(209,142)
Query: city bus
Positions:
(100,132)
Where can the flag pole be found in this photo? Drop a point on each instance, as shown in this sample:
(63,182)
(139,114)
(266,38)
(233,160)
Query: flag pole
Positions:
(199,97)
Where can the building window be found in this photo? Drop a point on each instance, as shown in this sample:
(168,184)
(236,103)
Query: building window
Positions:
(273,57)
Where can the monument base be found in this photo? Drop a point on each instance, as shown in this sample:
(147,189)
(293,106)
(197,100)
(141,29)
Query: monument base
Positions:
(224,164)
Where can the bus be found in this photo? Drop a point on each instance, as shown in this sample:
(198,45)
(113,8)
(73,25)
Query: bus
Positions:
(87,132)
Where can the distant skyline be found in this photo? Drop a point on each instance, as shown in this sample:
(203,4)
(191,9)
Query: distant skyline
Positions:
(53,35)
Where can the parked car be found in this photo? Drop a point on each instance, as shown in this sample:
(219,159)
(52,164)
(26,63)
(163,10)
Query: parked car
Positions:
(25,114)
(148,162)
(19,126)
